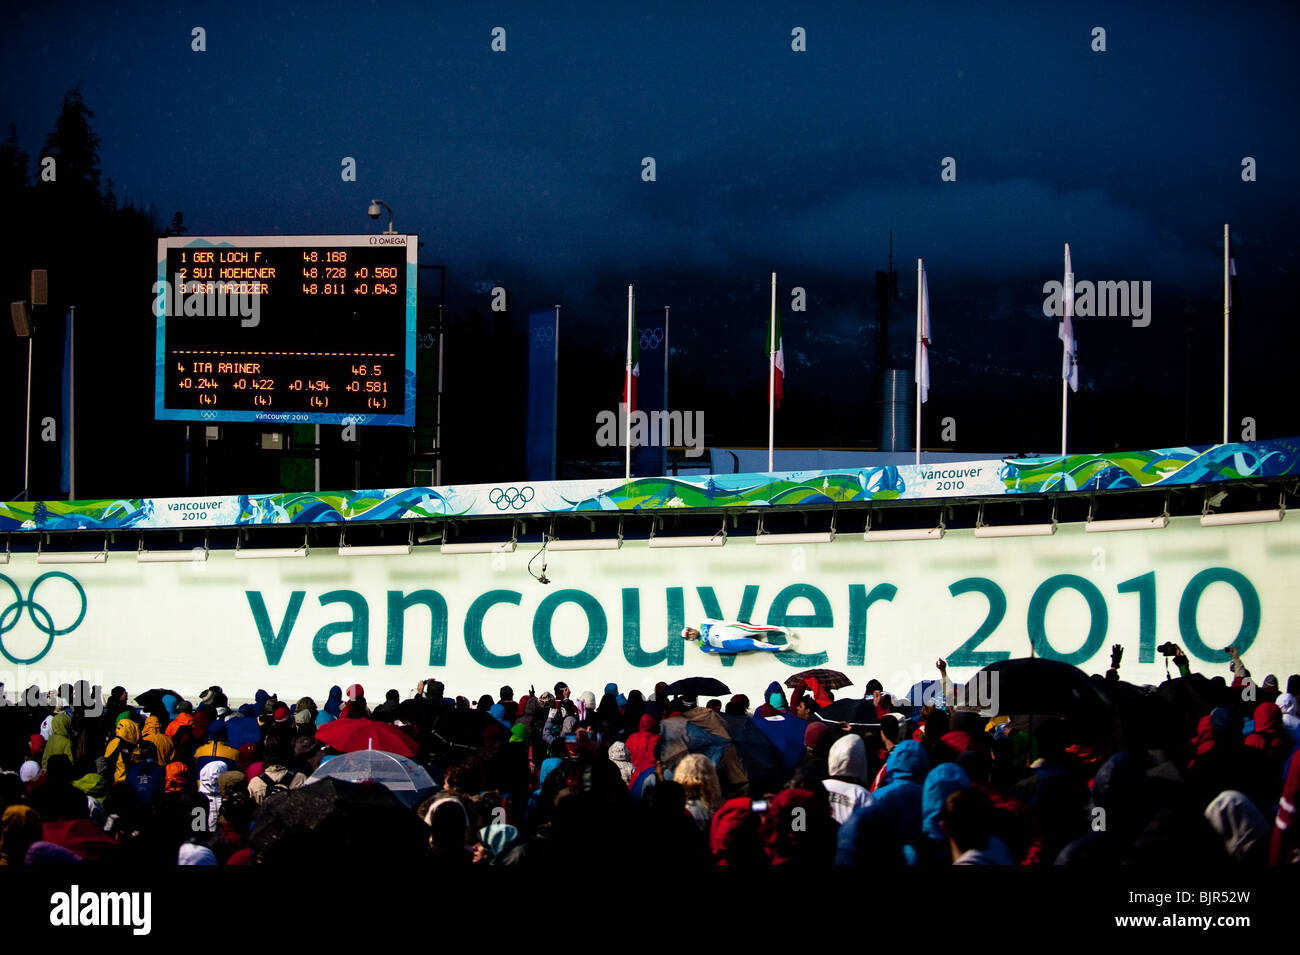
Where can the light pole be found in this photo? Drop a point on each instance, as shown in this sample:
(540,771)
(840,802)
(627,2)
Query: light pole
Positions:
(23,329)
(374,214)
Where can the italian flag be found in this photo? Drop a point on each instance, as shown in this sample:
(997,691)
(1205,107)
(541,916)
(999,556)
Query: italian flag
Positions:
(634,356)
(776,350)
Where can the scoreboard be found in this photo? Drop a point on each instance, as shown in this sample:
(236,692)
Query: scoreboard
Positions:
(286,329)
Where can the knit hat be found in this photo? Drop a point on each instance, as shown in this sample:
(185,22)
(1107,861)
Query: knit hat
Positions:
(281,713)
(355,692)
(302,717)
(817,735)
(29,770)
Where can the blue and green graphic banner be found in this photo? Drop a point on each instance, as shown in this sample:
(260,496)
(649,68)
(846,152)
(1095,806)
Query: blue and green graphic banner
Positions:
(1164,467)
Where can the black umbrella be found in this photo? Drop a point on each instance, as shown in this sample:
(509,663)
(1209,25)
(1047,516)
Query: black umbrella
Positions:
(829,679)
(1032,685)
(763,761)
(151,701)
(850,711)
(698,686)
(334,819)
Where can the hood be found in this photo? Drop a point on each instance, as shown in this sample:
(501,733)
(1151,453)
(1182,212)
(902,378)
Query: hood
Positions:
(1118,780)
(152,726)
(944,780)
(618,753)
(128,732)
(908,761)
(92,784)
(848,758)
(646,723)
(588,699)
(1238,822)
(62,724)
(549,765)
(1287,704)
(775,687)
(1268,719)
(208,783)
(334,701)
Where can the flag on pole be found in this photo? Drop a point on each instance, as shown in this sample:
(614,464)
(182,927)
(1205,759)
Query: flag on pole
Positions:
(1070,360)
(634,349)
(776,354)
(923,340)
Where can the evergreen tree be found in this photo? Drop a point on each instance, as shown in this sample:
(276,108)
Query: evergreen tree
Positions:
(75,148)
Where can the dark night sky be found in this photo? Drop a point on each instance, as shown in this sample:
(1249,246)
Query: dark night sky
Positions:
(523,168)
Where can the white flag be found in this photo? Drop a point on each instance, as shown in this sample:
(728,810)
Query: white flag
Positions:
(923,339)
(1070,360)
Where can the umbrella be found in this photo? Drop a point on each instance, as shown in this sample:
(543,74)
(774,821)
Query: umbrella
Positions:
(335,820)
(764,763)
(1035,686)
(698,686)
(862,712)
(829,679)
(151,701)
(82,837)
(348,736)
(404,778)
(677,737)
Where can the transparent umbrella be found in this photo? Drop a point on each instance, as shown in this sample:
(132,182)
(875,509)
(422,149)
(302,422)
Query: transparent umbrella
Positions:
(404,778)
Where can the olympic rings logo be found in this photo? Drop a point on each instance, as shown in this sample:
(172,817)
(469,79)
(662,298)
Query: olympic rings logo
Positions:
(510,497)
(40,616)
(543,336)
(651,338)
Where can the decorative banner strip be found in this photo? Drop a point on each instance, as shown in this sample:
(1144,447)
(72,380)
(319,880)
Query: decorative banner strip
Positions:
(1164,467)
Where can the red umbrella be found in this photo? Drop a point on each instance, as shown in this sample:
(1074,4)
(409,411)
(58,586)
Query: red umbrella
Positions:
(82,837)
(350,736)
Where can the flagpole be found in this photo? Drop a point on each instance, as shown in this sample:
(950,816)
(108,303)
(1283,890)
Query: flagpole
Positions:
(919,294)
(72,405)
(1227,306)
(663,455)
(627,394)
(555,394)
(771,380)
(1068,305)
(667,355)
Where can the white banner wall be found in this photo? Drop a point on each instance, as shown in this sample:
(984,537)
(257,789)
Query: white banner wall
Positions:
(884,610)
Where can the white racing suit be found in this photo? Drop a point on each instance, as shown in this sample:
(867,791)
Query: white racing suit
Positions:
(718,636)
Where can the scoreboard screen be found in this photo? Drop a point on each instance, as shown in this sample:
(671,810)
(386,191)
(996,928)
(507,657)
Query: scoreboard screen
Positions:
(286,329)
